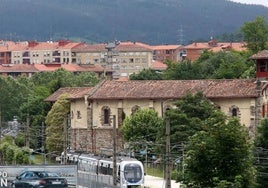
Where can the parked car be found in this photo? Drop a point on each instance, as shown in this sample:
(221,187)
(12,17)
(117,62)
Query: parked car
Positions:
(39,179)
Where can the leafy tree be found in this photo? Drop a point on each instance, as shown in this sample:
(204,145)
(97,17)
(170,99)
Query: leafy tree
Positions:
(232,65)
(20,140)
(192,113)
(220,155)
(210,65)
(55,124)
(146,74)
(261,153)
(9,152)
(184,70)
(225,65)
(141,128)
(256,34)
(11,96)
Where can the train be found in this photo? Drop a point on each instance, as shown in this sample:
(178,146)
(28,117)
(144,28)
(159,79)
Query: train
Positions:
(129,171)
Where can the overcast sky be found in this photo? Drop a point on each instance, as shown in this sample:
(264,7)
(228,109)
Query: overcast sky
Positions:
(261,2)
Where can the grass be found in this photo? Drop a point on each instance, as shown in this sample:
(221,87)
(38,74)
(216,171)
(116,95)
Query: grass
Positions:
(154,171)
(38,159)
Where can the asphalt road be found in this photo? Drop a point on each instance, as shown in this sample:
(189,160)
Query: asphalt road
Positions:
(105,182)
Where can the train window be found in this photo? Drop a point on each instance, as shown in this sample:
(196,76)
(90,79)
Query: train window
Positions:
(132,173)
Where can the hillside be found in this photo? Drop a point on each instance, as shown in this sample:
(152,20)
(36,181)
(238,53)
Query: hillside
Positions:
(150,21)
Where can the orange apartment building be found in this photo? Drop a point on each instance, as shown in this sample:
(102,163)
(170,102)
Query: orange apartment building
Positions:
(167,52)
(193,51)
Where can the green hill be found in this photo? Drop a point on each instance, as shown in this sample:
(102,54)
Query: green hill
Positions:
(150,21)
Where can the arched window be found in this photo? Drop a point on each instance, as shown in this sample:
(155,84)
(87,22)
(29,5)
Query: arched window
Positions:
(234,111)
(105,115)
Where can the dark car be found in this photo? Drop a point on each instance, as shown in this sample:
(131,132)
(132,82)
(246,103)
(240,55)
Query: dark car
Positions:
(39,179)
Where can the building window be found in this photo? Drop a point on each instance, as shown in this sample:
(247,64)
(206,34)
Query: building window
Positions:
(105,116)
(72,115)
(263,67)
(234,111)
(79,115)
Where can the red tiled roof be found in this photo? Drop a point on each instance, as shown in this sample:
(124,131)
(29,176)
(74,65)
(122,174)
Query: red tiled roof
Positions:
(164,89)
(166,47)
(5,68)
(261,55)
(73,92)
(238,46)
(123,46)
(21,68)
(69,67)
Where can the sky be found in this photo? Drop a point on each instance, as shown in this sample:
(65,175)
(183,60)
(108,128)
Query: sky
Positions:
(260,2)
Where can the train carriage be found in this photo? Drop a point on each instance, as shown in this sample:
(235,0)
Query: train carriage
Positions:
(130,171)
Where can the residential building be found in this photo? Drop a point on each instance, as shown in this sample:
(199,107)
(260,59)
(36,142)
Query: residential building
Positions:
(5,51)
(167,52)
(34,52)
(127,57)
(193,51)
(111,101)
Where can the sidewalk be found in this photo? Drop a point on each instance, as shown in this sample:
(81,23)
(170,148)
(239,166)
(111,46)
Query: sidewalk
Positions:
(155,182)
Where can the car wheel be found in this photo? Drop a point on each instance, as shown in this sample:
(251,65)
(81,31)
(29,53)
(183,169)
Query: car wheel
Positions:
(13,185)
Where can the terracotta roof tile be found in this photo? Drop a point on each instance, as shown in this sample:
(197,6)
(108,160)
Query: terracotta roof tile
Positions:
(238,46)
(175,89)
(74,93)
(5,68)
(122,47)
(21,68)
(166,47)
(261,55)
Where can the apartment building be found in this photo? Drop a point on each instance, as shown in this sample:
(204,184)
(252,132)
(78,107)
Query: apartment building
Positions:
(194,50)
(34,52)
(167,52)
(126,58)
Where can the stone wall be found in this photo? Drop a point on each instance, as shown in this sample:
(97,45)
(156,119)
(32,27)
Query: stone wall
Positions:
(94,140)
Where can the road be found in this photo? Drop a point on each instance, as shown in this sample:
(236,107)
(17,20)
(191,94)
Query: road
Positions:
(155,182)
(86,181)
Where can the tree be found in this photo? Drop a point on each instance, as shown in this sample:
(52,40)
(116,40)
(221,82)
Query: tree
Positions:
(256,34)
(219,156)
(210,65)
(146,74)
(192,113)
(261,153)
(55,122)
(141,128)
(185,70)
(225,65)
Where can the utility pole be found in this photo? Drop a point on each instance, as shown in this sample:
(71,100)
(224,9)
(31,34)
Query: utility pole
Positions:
(0,123)
(167,172)
(114,150)
(43,150)
(27,134)
(65,139)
